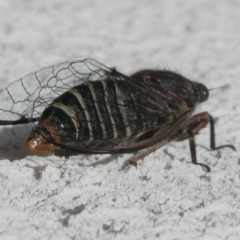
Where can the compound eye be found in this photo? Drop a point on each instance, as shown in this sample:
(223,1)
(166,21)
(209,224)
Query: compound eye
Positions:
(203,92)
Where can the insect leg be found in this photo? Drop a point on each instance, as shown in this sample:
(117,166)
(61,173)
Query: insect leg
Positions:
(192,126)
(199,121)
(133,160)
(212,135)
(193,152)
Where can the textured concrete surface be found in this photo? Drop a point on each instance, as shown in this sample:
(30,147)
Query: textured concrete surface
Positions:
(98,196)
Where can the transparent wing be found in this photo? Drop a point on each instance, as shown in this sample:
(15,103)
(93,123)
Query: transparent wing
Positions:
(133,115)
(29,96)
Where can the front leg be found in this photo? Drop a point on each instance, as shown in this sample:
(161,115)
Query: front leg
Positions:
(191,127)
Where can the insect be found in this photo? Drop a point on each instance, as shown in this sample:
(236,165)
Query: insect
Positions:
(84,106)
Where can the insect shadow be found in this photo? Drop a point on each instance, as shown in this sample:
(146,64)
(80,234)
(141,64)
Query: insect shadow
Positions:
(12,146)
(12,140)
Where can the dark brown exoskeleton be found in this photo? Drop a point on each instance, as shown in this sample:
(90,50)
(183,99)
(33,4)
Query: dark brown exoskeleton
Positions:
(85,106)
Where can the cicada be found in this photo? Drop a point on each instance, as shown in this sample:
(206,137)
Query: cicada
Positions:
(84,106)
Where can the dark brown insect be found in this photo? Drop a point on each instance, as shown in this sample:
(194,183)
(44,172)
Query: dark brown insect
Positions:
(85,106)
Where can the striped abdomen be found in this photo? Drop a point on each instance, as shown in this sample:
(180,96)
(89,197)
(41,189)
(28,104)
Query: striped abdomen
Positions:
(94,111)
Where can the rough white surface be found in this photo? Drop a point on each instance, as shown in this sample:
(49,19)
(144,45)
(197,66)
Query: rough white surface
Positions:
(97,197)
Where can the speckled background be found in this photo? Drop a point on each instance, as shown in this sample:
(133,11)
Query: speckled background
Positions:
(98,196)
